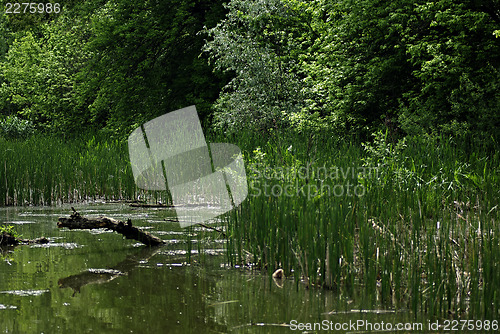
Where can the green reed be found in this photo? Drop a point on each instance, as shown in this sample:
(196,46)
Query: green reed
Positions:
(422,235)
(48,170)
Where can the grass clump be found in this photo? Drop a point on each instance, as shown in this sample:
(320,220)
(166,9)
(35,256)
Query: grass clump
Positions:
(9,229)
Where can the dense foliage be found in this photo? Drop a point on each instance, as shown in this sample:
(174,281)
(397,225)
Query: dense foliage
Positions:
(344,67)
(419,66)
(107,64)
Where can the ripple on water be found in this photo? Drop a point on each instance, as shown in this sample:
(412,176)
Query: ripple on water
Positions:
(193,252)
(7,307)
(99,231)
(20,222)
(34,214)
(67,245)
(169,232)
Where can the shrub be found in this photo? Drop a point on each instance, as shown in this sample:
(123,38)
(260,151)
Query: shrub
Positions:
(12,127)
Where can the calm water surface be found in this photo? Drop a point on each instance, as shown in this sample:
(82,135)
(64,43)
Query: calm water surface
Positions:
(99,282)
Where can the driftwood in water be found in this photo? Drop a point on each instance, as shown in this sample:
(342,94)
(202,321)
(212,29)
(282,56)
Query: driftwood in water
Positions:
(7,239)
(76,221)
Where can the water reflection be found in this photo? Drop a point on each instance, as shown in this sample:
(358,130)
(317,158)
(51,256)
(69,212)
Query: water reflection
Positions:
(100,276)
(98,282)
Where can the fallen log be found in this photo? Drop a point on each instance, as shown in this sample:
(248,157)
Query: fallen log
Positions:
(76,221)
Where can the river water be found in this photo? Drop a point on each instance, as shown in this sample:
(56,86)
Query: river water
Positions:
(98,282)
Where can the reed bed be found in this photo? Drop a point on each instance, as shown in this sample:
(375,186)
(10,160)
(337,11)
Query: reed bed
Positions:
(421,233)
(45,170)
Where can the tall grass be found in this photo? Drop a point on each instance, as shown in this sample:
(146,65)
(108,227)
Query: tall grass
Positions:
(423,235)
(45,170)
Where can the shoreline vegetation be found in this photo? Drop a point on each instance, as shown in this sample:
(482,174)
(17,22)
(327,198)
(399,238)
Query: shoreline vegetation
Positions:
(49,170)
(9,238)
(421,233)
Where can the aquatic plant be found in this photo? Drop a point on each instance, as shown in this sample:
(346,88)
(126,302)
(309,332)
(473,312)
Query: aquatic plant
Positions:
(43,170)
(419,229)
(9,229)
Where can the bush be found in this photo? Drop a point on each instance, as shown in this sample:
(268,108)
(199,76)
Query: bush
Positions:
(12,127)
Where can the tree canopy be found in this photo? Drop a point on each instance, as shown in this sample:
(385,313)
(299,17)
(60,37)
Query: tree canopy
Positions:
(410,66)
(109,65)
(345,67)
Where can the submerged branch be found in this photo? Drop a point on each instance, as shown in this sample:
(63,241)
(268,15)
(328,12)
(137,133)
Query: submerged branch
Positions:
(199,224)
(76,221)
(7,239)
